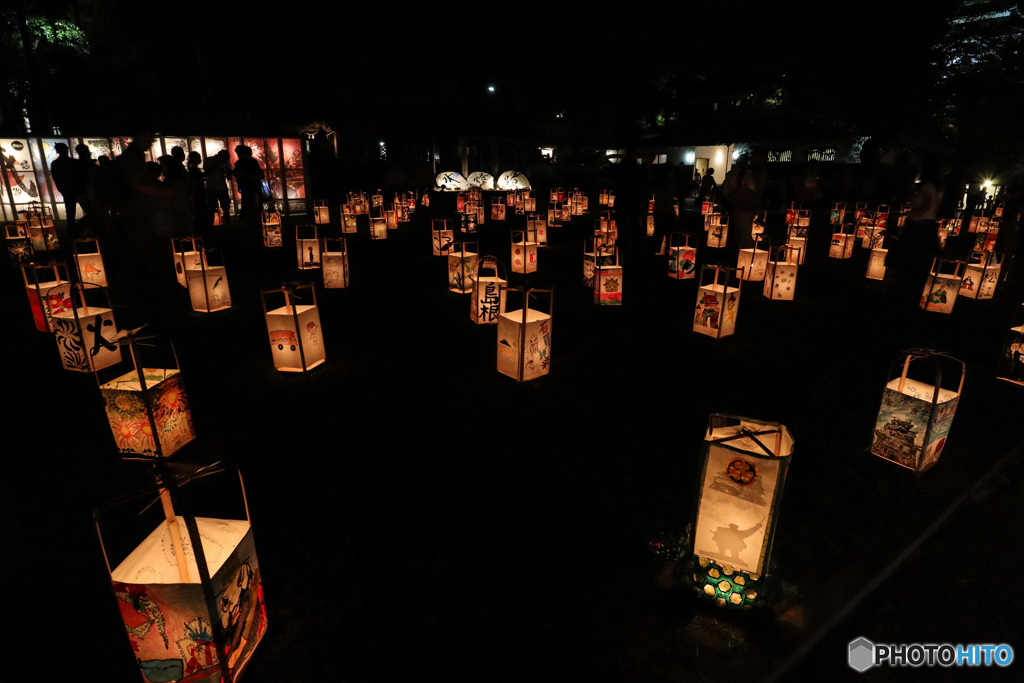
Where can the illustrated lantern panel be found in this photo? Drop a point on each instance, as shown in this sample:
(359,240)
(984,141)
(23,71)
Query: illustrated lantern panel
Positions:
(443,239)
(295,337)
(753,263)
(682,263)
(780,281)
(462,270)
(321,214)
(208,289)
(608,285)
(650,225)
(941,288)
(378,228)
(717,303)
(90,264)
(524,256)
(85,334)
(485,304)
(524,343)
(348,219)
(39,281)
(186,258)
(876,264)
(981,276)
(717,227)
(135,409)
(307,248)
(841,245)
(272,229)
(336,273)
(745,463)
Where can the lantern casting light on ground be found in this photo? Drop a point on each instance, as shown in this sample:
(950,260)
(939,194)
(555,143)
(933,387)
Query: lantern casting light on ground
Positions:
(296,339)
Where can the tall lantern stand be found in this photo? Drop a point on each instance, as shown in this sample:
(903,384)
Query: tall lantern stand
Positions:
(296,338)
(718,301)
(917,408)
(524,335)
(486,291)
(335,259)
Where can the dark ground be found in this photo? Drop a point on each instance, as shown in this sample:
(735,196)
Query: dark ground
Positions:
(417,514)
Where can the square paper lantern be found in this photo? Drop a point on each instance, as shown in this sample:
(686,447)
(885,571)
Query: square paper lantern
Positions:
(717,226)
(462,267)
(537,230)
(348,218)
(650,225)
(682,260)
(876,264)
(42,232)
(190,591)
(378,227)
(335,259)
(752,263)
(987,234)
(89,262)
(85,330)
(836,215)
(841,245)
(39,280)
(741,482)
(780,274)
(487,286)
(797,237)
(607,276)
(307,247)
(391,218)
(321,214)
(497,210)
(917,411)
(602,197)
(981,274)
(1011,362)
(377,200)
(188,254)
(208,285)
(218,217)
(942,286)
(442,237)
(146,404)
(554,216)
(524,254)
(524,335)
(272,229)
(717,301)
(19,246)
(296,339)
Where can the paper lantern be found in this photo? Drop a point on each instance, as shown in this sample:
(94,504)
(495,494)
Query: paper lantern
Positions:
(836,215)
(529,203)
(296,339)
(146,404)
(917,411)
(859,209)
(1011,362)
(524,254)
(190,592)
(987,234)
(208,285)
(717,227)
(377,200)
(876,264)
(841,245)
(942,286)
(272,229)
(497,210)
(537,230)
(607,276)
(391,218)
(981,274)
(650,225)
(978,220)
(485,181)
(19,246)
(752,263)
(89,261)
(84,329)
(682,260)
(442,237)
(554,216)
(335,260)
(780,274)
(307,247)
(462,267)
(187,256)
(741,482)
(602,197)
(218,217)
(321,214)
(348,218)
(524,335)
(512,180)
(39,280)
(41,232)
(717,301)
(425,199)
(378,226)
(451,181)
(484,305)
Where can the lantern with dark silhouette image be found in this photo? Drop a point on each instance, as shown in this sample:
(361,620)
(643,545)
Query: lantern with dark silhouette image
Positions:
(717,227)
(293,323)
(84,329)
(208,285)
(335,259)
(39,280)
(321,214)
(89,261)
(717,301)
(272,229)
(682,259)
(188,586)
(188,254)
(780,274)
(524,335)
(462,267)
(942,286)
(981,275)
(307,247)
(1011,362)
(524,253)
(442,237)
(917,409)
(607,276)
(486,289)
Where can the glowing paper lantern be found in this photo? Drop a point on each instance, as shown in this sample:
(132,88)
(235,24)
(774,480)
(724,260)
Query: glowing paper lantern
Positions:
(717,227)
(741,481)
(348,218)
(190,593)
(89,262)
(272,229)
(307,247)
(218,217)
(462,267)
(780,275)
(1011,362)
(987,234)
(497,210)
(524,254)
(524,336)
(682,260)
(717,301)
(485,181)
(798,238)
(512,180)
(39,280)
(608,277)
(442,237)
(876,264)
(378,227)
(451,181)
(85,329)
(484,305)
(650,225)
(837,214)
(188,254)
(42,232)
(147,407)
(377,200)
(611,200)
(537,230)
(296,339)
(335,259)
(981,274)
(916,414)
(208,285)
(19,246)
(752,262)
(602,198)
(942,287)
(391,218)
(841,245)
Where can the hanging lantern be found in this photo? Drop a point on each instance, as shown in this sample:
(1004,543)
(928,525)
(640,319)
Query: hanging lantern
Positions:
(335,259)
(524,335)
(462,267)
(607,276)
(941,287)
(348,218)
(89,261)
(272,229)
(39,280)
(187,256)
(190,591)
(442,237)
(208,285)
(741,482)
(841,245)
(378,226)
(307,247)
(917,412)
(981,274)
(717,301)
(717,227)
(524,254)
(486,289)
(321,214)
(19,246)
(296,339)
(146,403)
(837,213)
(537,230)
(1011,362)
(85,329)
(682,260)
(780,274)
(876,263)
(752,263)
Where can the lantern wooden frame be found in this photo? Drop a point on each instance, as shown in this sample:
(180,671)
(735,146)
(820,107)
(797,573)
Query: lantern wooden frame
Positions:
(608,280)
(78,328)
(717,305)
(537,229)
(294,329)
(348,219)
(462,267)
(753,262)
(208,287)
(524,335)
(682,259)
(905,402)
(498,209)
(876,263)
(335,262)
(272,229)
(89,264)
(941,288)
(378,225)
(717,227)
(442,237)
(841,246)
(837,213)
(41,230)
(37,289)
(781,274)
(188,255)
(524,253)
(307,241)
(321,214)
(485,304)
